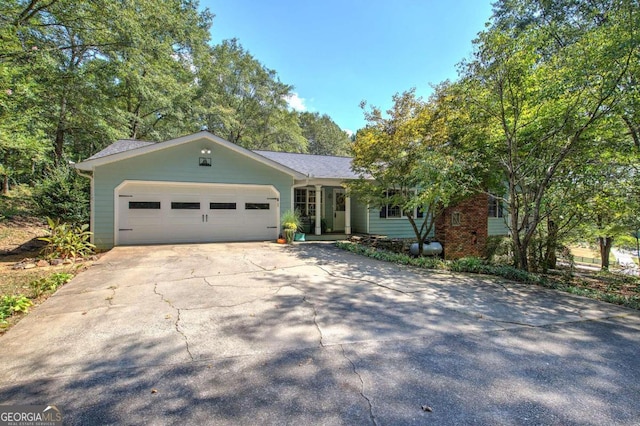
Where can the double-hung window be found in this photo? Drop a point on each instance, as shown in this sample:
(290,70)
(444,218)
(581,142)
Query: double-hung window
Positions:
(496,209)
(392,211)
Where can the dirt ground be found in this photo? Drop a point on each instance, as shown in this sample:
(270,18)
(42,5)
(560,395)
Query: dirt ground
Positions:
(19,241)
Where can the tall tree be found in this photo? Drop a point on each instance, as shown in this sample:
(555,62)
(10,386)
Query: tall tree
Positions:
(406,161)
(245,102)
(22,140)
(543,75)
(324,136)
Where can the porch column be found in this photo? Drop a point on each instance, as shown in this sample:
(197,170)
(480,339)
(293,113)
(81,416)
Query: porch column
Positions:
(347,215)
(318,212)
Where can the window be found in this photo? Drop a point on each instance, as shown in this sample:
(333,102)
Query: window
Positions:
(300,201)
(496,209)
(395,212)
(185,206)
(222,206)
(305,201)
(257,206)
(144,205)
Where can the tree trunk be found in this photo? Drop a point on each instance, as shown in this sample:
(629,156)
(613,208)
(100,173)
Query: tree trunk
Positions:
(605,250)
(60,132)
(550,259)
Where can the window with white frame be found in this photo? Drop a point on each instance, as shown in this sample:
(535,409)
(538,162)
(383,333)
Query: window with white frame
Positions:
(305,201)
(391,211)
(496,209)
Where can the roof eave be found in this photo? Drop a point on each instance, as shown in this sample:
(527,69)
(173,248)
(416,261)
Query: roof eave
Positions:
(90,165)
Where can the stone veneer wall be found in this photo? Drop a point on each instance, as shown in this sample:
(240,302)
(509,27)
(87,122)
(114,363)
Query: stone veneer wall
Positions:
(468,237)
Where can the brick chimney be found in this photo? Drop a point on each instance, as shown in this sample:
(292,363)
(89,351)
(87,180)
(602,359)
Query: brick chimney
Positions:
(463,229)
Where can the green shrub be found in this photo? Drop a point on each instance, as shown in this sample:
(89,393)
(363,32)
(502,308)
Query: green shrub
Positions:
(469,264)
(63,195)
(498,249)
(387,256)
(67,241)
(50,283)
(12,304)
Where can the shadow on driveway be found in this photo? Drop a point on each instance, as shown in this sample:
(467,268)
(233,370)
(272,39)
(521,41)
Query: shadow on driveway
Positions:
(265,334)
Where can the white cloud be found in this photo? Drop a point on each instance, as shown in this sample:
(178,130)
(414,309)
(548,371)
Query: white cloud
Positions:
(296,102)
(348,132)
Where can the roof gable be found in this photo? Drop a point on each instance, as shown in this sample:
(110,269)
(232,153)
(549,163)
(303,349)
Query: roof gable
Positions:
(124,149)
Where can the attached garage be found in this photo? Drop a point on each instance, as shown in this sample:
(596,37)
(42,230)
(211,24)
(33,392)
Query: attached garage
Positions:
(179,212)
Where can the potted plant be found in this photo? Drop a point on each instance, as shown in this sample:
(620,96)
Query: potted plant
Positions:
(290,224)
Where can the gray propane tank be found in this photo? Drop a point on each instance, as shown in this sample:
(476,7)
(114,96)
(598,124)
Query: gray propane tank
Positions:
(429,248)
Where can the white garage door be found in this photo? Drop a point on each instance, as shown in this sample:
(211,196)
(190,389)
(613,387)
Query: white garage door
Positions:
(154,212)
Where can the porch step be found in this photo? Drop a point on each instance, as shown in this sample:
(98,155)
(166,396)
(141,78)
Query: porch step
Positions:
(326,237)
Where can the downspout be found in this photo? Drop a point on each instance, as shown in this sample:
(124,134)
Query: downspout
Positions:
(91,202)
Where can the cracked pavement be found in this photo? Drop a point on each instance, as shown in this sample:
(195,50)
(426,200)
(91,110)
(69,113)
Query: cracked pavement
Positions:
(260,333)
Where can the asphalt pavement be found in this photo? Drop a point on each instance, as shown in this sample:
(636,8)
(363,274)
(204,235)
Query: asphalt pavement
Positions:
(260,333)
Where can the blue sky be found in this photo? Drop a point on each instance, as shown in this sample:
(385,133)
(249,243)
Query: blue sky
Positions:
(337,53)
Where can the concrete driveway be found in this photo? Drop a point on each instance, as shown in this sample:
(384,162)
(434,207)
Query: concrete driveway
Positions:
(260,333)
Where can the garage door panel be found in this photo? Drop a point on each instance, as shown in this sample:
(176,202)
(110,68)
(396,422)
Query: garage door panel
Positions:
(196,213)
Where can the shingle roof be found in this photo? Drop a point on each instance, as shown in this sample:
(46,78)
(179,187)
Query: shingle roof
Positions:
(120,146)
(318,166)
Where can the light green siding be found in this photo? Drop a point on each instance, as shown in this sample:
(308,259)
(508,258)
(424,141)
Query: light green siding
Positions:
(498,226)
(393,228)
(358,217)
(179,164)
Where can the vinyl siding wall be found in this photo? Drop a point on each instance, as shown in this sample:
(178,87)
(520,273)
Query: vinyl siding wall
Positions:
(394,228)
(497,226)
(358,217)
(179,164)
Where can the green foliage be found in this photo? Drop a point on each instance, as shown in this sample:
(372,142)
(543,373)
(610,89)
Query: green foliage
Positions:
(324,136)
(67,241)
(406,159)
(403,259)
(291,224)
(544,88)
(475,265)
(497,249)
(469,264)
(63,195)
(10,305)
(244,102)
(290,219)
(50,283)
(18,202)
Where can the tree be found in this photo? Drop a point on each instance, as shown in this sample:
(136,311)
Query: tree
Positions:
(245,102)
(544,74)
(109,69)
(405,160)
(324,136)
(22,141)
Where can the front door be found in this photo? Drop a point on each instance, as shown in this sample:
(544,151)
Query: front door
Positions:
(338,209)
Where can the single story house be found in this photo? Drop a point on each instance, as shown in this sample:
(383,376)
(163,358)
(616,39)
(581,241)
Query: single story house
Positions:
(202,188)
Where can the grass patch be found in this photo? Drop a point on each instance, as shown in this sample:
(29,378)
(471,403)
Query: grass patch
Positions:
(618,289)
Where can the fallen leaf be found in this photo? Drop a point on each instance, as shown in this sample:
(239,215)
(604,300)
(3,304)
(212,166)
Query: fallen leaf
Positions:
(154,390)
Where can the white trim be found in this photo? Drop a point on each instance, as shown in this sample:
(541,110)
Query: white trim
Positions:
(89,165)
(116,198)
(347,214)
(318,230)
